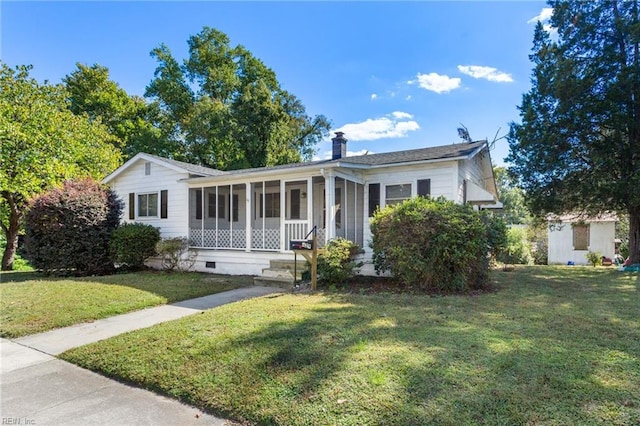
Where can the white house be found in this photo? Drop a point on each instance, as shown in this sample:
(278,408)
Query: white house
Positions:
(572,236)
(239,221)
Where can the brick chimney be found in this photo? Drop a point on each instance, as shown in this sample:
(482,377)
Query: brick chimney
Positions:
(339,146)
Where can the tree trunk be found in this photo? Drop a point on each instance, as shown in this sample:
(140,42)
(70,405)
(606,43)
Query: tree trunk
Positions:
(10,249)
(11,231)
(634,234)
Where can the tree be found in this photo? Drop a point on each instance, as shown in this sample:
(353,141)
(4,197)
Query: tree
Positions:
(515,210)
(42,144)
(226,109)
(578,145)
(134,123)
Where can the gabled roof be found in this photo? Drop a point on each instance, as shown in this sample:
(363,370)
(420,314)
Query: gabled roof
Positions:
(179,166)
(436,153)
(431,154)
(445,152)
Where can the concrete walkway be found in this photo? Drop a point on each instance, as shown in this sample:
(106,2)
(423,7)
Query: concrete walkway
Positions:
(38,389)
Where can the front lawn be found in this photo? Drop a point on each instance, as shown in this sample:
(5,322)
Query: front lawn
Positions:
(552,346)
(31,303)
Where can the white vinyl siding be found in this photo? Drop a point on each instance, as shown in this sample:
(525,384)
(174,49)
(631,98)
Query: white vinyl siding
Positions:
(133,180)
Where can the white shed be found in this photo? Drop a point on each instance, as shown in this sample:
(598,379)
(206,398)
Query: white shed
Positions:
(571,237)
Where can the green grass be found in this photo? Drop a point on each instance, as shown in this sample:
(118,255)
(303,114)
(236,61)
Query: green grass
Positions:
(31,303)
(552,346)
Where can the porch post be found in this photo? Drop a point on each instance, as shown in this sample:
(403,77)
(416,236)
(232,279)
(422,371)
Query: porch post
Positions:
(330,203)
(248,216)
(309,203)
(283,195)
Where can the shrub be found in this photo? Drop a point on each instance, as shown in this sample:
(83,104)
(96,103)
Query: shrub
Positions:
(68,229)
(133,243)
(594,258)
(434,245)
(175,254)
(336,263)
(517,249)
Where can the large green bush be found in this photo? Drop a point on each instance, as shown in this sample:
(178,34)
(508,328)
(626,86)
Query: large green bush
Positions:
(336,263)
(434,245)
(133,243)
(68,229)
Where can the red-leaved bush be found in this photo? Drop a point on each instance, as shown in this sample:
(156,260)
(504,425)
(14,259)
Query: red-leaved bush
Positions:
(68,229)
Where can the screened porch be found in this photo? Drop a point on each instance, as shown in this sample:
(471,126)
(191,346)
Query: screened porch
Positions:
(266,215)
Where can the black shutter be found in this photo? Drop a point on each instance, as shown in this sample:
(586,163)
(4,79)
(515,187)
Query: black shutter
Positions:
(424,187)
(198,204)
(132,206)
(374,197)
(163,204)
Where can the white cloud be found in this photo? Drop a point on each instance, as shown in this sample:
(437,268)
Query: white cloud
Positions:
(395,125)
(400,115)
(436,82)
(488,73)
(544,16)
(408,98)
(373,96)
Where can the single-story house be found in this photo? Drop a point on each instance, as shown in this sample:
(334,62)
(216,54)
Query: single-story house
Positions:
(572,236)
(238,221)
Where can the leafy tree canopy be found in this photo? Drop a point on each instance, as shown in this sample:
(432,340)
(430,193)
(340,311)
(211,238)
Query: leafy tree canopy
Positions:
(578,145)
(515,210)
(42,144)
(227,110)
(133,123)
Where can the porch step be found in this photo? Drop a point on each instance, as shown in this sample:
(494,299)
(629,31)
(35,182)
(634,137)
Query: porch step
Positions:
(300,265)
(280,273)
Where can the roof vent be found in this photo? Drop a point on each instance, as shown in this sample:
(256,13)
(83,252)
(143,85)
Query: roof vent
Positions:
(339,146)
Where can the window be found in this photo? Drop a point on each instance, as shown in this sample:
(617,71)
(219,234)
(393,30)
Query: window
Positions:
(581,237)
(147,168)
(295,204)
(374,198)
(397,193)
(271,204)
(148,205)
(213,206)
(424,187)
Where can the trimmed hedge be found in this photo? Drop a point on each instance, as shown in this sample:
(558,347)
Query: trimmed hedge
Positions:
(435,245)
(68,229)
(133,243)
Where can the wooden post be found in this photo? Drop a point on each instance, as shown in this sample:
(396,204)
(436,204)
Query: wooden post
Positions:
(314,263)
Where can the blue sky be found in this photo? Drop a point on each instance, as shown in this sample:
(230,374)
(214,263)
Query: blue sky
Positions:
(391,75)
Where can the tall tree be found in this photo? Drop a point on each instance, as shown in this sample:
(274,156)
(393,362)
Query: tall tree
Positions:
(515,210)
(42,144)
(134,123)
(227,108)
(578,146)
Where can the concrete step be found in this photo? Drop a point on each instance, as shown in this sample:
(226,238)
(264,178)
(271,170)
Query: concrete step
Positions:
(300,265)
(281,282)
